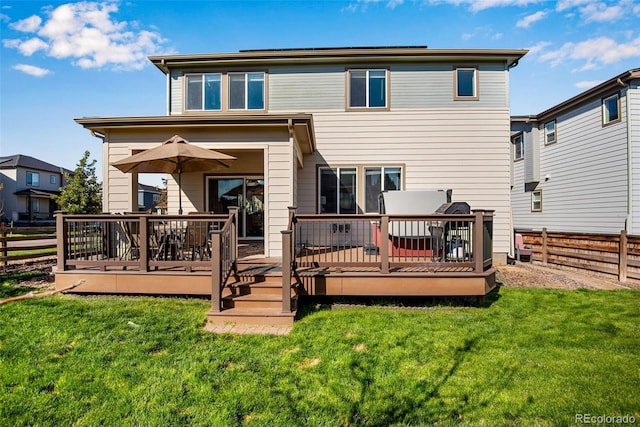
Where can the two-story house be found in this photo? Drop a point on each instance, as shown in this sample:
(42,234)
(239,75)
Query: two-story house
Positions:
(327,130)
(27,186)
(576,166)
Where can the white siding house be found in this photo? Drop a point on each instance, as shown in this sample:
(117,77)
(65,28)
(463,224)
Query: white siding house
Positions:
(586,178)
(301,122)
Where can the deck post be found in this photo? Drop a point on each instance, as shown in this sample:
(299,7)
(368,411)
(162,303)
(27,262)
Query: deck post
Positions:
(62,232)
(622,259)
(216,271)
(144,243)
(233,212)
(384,244)
(286,270)
(478,244)
(544,246)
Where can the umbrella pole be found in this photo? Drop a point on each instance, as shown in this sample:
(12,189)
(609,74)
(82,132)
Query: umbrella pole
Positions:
(179,191)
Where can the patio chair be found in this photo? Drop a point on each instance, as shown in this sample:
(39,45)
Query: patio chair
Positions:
(197,240)
(522,249)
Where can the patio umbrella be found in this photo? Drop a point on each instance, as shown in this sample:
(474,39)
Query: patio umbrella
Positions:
(175,155)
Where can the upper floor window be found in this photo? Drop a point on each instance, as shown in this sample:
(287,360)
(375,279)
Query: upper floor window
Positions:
(53,179)
(367,88)
(518,147)
(33,179)
(204,91)
(611,109)
(536,201)
(550,132)
(337,190)
(377,180)
(246,91)
(466,84)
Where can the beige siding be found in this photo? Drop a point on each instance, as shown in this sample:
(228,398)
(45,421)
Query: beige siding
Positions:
(440,148)
(427,86)
(306,89)
(175,92)
(586,190)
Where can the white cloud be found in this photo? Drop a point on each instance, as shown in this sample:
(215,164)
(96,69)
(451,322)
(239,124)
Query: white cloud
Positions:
(570,4)
(28,25)
(392,4)
(478,5)
(4,18)
(600,12)
(588,84)
(594,52)
(537,48)
(86,33)
(32,70)
(530,19)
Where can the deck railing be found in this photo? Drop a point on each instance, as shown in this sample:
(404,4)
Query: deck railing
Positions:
(436,242)
(224,247)
(135,241)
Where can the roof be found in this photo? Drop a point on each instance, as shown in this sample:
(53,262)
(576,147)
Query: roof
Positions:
(37,193)
(338,55)
(148,188)
(614,83)
(300,124)
(28,162)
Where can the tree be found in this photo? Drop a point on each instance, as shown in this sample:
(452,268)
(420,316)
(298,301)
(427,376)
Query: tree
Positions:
(81,195)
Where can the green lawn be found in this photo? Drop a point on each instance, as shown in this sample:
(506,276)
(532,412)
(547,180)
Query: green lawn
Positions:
(530,357)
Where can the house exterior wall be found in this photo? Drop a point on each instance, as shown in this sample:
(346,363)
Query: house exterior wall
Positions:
(583,176)
(9,200)
(465,150)
(633,105)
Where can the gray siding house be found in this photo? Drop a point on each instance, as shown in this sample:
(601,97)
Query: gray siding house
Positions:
(27,186)
(326,130)
(576,166)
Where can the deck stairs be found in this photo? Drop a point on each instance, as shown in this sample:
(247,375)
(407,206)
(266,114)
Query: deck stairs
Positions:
(254,297)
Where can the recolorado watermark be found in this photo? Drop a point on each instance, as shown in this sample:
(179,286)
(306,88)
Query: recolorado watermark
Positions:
(604,419)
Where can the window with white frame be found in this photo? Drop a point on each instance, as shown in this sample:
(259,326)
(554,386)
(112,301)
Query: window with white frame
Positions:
(337,190)
(466,83)
(550,132)
(536,201)
(518,147)
(611,109)
(203,91)
(377,180)
(53,179)
(367,88)
(246,91)
(33,179)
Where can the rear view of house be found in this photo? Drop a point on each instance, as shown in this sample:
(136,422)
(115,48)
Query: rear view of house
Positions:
(327,130)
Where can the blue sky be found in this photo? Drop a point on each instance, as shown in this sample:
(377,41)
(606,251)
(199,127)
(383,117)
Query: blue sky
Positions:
(62,60)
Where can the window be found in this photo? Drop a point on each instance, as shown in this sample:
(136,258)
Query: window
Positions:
(52,179)
(337,191)
(536,201)
(35,205)
(246,91)
(33,179)
(518,147)
(550,132)
(377,180)
(466,84)
(367,88)
(204,91)
(611,109)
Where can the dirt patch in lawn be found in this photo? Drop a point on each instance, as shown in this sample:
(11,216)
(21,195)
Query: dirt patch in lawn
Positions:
(527,275)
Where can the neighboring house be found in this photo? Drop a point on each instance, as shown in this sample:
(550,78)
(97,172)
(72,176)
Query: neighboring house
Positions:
(326,130)
(148,197)
(28,184)
(576,166)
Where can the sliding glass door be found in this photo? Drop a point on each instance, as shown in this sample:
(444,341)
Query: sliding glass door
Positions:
(247,193)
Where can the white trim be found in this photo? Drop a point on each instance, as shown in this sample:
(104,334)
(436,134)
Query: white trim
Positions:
(367,78)
(246,90)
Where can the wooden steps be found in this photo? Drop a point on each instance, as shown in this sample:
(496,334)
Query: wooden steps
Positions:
(255,298)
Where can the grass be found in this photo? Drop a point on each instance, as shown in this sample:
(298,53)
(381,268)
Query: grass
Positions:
(530,357)
(10,283)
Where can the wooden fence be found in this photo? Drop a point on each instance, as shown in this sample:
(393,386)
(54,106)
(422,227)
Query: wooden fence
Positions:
(615,255)
(12,247)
